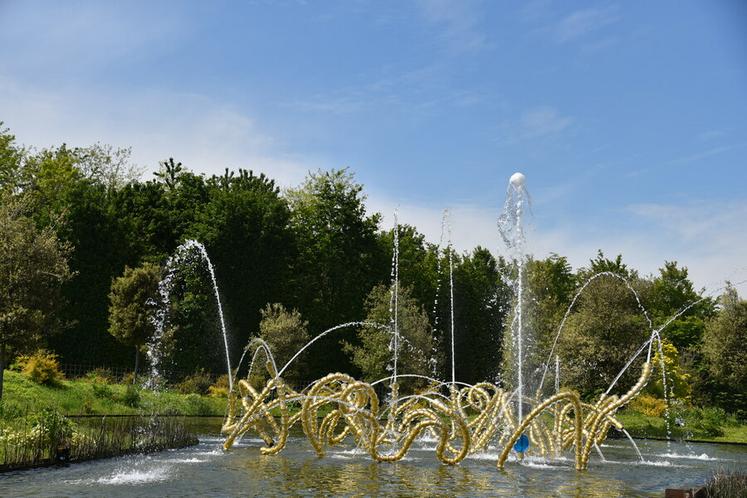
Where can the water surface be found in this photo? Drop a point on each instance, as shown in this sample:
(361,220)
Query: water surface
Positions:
(206,470)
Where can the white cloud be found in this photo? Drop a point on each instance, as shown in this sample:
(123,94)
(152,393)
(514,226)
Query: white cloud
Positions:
(708,238)
(206,135)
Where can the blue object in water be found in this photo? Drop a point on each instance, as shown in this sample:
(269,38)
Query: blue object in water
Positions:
(522,444)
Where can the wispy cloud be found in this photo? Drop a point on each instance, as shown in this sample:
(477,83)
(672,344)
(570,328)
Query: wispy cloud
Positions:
(713,151)
(420,89)
(582,22)
(535,123)
(459,23)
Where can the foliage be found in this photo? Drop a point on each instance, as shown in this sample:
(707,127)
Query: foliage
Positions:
(339,258)
(131,306)
(196,383)
(32,266)
(481,304)
(725,356)
(41,367)
(601,336)
(219,389)
(678,381)
(100,375)
(373,357)
(649,405)
(130,397)
(75,219)
(286,333)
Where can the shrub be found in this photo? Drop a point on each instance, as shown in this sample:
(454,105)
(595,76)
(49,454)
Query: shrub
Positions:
(128,378)
(100,376)
(220,388)
(41,367)
(130,397)
(198,405)
(101,390)
(197,383)
(649,405)
(710,421)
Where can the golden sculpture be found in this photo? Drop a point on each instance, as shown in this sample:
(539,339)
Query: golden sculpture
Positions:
(337,407)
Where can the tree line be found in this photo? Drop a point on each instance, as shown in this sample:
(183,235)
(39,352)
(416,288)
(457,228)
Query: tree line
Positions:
(84,238)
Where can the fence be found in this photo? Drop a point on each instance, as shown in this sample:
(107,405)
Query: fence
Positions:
(49,438)
(78,370)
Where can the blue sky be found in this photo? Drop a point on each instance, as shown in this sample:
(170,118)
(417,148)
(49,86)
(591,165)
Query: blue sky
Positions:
(628,118)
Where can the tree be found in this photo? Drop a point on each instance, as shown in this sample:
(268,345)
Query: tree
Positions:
(482,302)
(11,162)
(286,333)
(32,267)
(549,288)
(245,227)
(107,166)
(599,338)
(724,351)
(671,292)
(601,264)
(338,260)
(374,355)
(131,306)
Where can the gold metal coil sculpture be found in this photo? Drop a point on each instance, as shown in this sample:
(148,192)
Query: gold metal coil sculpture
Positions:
(338,407)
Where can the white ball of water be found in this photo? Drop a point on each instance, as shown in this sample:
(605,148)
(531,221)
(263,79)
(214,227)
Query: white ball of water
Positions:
(518,179)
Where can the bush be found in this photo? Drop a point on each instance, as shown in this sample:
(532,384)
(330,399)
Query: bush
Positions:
(131,396)
(101,390)
(41,367)
(197,383)
(100,376)
(649,405)
(198,405)
(220,388)
(709,420)
(128,378)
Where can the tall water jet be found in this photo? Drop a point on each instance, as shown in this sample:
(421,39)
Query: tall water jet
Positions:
(511,228)
(450,249)
(164,290)
(394,303)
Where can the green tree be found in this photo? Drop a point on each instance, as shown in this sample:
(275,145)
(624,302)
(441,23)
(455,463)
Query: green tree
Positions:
(725,354)
(603,333)
(12,159)
(245,227)
(374,354)
(32,266)
(671,292)
(286,333)
(482,302)
(131,306)
(549,288)
(339,258)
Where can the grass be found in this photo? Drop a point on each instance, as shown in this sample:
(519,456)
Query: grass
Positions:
(644,426)
(81,397)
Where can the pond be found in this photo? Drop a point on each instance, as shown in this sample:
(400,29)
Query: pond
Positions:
(206,470)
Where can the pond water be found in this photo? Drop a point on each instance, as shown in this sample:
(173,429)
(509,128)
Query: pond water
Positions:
(206,470)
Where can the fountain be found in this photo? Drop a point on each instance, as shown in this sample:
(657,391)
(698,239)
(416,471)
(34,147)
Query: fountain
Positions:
(463,418)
